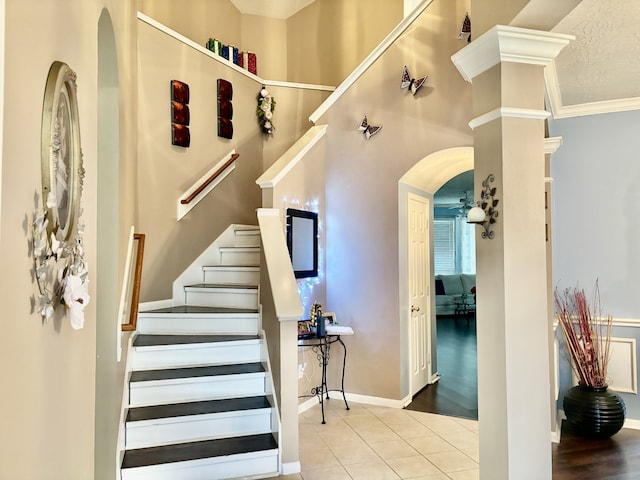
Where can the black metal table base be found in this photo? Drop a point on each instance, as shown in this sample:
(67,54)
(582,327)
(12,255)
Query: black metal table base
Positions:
(322,348)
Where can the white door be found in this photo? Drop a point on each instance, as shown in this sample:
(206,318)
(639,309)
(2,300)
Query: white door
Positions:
(419,301)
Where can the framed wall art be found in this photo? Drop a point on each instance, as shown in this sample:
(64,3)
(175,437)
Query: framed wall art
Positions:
(61,155)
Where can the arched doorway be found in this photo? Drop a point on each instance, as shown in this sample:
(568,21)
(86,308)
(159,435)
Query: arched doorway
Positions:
(422,180)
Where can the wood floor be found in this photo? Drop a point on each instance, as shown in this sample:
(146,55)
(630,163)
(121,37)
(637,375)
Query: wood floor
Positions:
(456,394)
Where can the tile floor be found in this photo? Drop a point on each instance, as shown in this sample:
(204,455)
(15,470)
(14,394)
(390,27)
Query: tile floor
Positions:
(378,443)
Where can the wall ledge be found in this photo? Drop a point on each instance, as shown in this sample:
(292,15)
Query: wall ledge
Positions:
(181,38)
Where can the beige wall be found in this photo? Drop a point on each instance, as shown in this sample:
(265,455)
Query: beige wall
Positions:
(362,187)
(198,20)
(49,370)
(267,38)
(165,171)
(291,119)
(329,38)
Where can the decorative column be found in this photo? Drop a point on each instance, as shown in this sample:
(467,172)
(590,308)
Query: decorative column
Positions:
(506,67)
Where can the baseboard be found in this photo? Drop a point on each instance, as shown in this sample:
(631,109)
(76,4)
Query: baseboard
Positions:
(632,423)
(158,304)
(307,404)
(357,398)
(377,401)
(557,432)
(290,468)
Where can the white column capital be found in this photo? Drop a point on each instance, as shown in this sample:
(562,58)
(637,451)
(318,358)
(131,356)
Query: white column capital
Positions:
(509,44)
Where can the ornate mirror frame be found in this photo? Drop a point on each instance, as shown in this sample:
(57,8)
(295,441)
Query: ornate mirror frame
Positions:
(62,170)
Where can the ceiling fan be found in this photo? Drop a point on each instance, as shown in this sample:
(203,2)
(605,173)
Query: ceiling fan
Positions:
(463,205)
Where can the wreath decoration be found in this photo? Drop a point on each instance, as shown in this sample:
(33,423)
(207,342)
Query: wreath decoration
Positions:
(264,111)
(60,270)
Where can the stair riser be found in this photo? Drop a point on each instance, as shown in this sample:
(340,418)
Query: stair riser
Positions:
(231,276)
(146,358)
(227,298)
(250,466)
(247,238)
(227,386)
(242,257)
(182,325)
(197,427)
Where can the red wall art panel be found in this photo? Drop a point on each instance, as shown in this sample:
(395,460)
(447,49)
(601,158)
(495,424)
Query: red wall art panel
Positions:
(225,109)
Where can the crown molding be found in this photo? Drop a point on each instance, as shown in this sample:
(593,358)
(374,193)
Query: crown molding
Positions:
(551,144)
(508,112)
(508,44)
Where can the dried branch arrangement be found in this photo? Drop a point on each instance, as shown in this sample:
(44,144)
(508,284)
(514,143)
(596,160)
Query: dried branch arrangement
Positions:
(588,335)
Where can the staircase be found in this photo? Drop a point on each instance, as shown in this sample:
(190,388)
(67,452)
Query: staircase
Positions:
(199,403)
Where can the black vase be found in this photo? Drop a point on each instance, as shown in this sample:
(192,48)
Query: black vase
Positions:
(594,412)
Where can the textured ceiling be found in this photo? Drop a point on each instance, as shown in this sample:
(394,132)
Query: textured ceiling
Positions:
(602,65)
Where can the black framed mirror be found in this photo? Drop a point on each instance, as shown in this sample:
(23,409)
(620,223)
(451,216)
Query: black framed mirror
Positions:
(302,241)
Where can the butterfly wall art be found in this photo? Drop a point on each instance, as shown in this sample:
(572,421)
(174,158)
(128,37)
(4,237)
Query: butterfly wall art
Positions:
(465,29)
(368,130)
(411,84)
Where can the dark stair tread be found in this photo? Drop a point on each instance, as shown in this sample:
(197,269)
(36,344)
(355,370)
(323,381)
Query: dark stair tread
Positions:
(194,309)
(196,408)
(182,452)
(147,340)
(223,285)
(194,372)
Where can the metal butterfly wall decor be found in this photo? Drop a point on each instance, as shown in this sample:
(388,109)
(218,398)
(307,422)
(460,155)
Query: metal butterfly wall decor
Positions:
(465,29)
(368,130)
(411,84)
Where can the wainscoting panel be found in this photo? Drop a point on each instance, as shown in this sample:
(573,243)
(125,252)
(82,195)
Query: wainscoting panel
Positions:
(622,365)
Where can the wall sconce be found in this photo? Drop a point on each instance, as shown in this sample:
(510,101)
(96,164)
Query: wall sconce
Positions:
(485,212)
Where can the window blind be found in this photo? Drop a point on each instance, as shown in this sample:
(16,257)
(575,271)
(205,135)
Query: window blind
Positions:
(444,246)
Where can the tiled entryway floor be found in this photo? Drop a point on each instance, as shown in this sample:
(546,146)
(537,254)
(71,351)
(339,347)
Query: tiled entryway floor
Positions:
(378,443)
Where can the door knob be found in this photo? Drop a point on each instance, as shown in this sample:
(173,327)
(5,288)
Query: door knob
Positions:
(414,309)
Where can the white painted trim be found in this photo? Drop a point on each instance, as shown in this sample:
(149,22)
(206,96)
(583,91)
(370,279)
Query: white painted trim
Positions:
(124,404)
(290,468)
(556,433)
(2,69)
(560,110)
(308,404)
(156,305)
(284,287)
(122,306)
(190,43)
(370,60)
(597,108)
(182,210)
(626,322)
(633,374)
(302,86)
(357,398)
(508,44)
(508,112)
(551,144)
(377,401)
(631,423)
(291,157)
